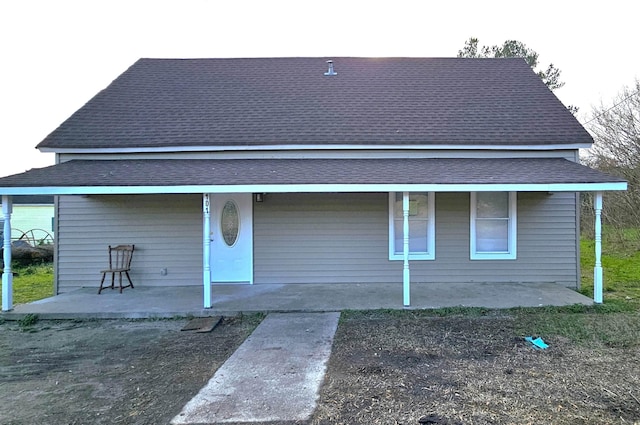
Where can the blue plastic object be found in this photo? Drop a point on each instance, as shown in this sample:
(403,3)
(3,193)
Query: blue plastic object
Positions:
(538,343)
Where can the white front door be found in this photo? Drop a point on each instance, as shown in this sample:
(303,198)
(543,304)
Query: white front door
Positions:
(232,238)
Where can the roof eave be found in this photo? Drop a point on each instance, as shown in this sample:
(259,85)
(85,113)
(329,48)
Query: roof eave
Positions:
(299,147)
(317,188)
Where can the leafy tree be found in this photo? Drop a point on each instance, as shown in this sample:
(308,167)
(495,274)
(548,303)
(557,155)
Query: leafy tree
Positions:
(513,49)
(616,150)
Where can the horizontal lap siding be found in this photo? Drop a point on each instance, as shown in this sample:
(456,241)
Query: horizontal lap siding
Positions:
(309,238)
(546,250)
(322,238)
(306,238)
(166,229)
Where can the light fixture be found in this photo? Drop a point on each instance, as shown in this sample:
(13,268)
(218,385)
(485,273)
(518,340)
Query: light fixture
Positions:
(259,197)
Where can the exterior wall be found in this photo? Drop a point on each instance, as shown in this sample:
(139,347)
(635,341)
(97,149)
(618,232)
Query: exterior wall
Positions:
(546,243)
(309,238)
(30,217)
(322,238)
(166,230)
(343,238)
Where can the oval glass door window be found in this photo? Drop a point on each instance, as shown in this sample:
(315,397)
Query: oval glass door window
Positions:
(230,223)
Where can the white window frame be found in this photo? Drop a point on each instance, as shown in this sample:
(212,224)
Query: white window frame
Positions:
(511,253)
(431,230)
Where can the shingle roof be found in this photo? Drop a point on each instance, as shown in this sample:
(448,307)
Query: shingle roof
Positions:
(204,172)
(288,101)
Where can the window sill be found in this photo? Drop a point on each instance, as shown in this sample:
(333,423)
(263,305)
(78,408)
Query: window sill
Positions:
(412,257)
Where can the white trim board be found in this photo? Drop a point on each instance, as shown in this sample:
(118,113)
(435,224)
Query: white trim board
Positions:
(320,147)
(314,188)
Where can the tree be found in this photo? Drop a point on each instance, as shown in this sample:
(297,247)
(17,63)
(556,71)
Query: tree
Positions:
(513,49)
(616,150)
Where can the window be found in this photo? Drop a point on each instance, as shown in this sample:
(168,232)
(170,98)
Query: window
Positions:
(230,223)
(493,225)
(421,226)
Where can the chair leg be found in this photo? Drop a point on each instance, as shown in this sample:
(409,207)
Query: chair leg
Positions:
(120,281)
(102,283)
(113,279)
(129,278)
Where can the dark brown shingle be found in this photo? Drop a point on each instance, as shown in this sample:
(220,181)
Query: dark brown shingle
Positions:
(288,101)
(203,172)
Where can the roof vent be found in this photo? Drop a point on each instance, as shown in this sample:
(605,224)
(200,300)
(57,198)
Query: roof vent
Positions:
(330,71)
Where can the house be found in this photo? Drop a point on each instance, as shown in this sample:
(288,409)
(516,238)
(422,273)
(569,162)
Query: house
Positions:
(332,170)
(32,219)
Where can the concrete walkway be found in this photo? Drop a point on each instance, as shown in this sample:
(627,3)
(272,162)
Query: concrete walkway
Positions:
(145,302)
(274,376)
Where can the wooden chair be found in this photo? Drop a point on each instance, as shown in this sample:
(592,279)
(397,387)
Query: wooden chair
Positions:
(119,262)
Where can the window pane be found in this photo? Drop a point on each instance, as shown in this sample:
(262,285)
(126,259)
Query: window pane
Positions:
(417,236)
(230,223)
(418,207)
(397,206)
(492,204)
(492,235)
(397,233)
(419,221)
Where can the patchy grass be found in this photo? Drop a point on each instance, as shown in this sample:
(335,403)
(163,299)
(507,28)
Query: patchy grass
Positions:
(469,366)
(31,283)
(621,267)
(608,325)
(591,326)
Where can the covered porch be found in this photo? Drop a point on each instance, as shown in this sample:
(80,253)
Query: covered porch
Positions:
(167,302)
(205,177)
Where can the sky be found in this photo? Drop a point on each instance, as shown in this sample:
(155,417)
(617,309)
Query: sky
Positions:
(56,55)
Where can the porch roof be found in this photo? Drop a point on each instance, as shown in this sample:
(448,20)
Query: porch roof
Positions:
(141,176)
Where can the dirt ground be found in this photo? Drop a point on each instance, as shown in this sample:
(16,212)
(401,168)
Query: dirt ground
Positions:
(383,370)
(108,371)
(457,370)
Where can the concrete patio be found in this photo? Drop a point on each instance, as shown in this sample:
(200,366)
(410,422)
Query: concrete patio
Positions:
(149,302)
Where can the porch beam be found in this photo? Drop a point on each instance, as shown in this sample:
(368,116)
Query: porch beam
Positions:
(206,249)
(597,270)
(406,275)
(316,188)
(7,274)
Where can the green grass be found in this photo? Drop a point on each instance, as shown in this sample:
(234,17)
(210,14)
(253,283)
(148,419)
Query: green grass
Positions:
(31,283)
(620,264)
(616,321)
(615,325)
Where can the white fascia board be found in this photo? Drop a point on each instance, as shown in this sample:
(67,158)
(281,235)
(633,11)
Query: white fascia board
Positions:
(320,147)
(315,188)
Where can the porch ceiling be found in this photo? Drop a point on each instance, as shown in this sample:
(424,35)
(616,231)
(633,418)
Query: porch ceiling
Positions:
(308,175)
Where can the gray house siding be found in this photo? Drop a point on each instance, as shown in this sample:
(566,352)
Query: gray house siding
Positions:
(322,238)
(343,238)
(310,238)
(166,229)
(546,243)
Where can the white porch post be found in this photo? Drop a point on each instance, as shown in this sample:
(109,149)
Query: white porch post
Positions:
(206,249)
(406,277)
(597,270)
(7,274)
